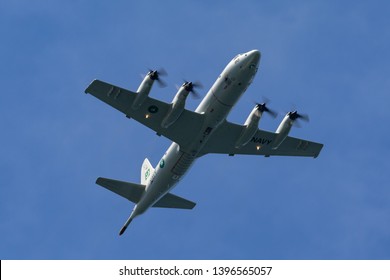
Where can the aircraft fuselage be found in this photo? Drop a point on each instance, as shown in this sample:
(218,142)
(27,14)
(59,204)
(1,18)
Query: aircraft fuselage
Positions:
(222,96)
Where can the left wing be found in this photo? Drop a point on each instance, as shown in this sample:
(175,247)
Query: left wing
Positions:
(150,113)
(224,139)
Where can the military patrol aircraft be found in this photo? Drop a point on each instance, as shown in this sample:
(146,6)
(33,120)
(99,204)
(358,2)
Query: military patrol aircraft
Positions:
(198,133)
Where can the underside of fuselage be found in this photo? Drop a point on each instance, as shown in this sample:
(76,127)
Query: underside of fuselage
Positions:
(227,89)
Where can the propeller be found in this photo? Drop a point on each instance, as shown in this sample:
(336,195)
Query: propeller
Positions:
(155,76)
(190,87)
(262,107)
(294,116)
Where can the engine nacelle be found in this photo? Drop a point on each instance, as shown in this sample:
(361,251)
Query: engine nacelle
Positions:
(283,130)
(144,89)
(177,107)
(250,127)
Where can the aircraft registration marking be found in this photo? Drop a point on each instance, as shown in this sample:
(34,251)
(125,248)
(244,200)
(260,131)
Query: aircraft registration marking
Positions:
(261,140)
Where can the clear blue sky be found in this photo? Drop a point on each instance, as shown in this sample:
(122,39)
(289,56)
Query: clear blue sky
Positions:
(329,59)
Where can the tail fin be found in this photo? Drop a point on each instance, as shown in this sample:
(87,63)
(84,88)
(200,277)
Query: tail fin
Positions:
(146,172)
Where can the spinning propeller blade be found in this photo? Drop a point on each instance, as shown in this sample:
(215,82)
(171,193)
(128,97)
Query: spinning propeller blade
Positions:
(155,76)
(262,107)
(190,87)
(294,116)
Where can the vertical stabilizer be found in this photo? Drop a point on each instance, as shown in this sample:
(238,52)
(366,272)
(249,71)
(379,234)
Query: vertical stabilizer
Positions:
(146,171)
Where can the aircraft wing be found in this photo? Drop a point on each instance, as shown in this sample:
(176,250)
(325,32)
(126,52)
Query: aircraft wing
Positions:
(151,113)
(223,141)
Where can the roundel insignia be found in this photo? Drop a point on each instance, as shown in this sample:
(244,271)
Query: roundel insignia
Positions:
(162,163)
(153,109)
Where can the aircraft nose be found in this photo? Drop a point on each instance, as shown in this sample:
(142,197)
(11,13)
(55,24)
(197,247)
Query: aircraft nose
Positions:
(253,56)
(251,59)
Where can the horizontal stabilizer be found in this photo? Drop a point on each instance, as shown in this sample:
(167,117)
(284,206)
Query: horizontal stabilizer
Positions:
(130,191)
(173,201)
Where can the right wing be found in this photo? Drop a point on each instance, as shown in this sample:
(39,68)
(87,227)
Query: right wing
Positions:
(223,141)
(150,113)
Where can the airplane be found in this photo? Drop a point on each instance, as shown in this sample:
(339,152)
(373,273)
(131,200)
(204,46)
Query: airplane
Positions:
(196,133)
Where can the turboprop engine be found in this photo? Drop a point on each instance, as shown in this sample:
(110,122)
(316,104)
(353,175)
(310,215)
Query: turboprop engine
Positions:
(285,126)
(146,85)
(178,103)
(252,123)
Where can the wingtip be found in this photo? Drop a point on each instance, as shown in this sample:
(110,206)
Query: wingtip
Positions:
(98,180)
(87,90)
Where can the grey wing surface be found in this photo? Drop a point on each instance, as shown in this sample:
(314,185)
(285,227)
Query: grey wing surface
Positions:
(223,141)
(150,113)
(173,201)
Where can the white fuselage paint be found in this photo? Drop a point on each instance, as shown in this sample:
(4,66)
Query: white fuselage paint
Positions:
(227,89)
